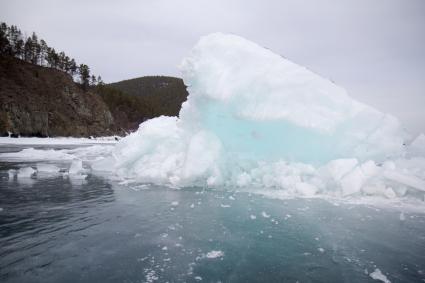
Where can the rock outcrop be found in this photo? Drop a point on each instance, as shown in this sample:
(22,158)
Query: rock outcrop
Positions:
(41,101)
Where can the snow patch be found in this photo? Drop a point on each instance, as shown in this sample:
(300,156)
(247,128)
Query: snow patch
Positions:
(377,275)
(214,254)
(265,215)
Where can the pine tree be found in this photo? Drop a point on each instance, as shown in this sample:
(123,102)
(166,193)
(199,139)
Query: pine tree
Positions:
(93,80)
(14,37)
(84,75)
(67,64)
(19,49)
(4,41)
(61,63)
(52,58)
(35,47)
(99,81)
(43,51)
(73,67)
(28,55)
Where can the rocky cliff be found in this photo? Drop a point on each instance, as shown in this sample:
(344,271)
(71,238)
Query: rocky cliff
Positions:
(40,101)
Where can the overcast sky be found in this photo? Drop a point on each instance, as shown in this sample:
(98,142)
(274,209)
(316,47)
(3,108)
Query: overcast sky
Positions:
(373,48)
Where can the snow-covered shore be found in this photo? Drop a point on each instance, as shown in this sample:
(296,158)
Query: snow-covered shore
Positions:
(58,140)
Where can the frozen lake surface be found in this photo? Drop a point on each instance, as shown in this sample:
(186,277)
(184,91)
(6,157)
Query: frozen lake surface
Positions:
(57,229)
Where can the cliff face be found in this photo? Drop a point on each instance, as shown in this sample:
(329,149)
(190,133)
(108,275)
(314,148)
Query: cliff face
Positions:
(39,101)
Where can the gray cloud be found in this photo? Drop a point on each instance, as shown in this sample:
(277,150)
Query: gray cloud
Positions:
(372,48)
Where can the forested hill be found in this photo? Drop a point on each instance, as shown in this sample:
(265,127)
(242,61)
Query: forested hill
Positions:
(149,85)
(163,94)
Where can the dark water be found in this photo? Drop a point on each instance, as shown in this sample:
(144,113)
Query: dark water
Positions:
(53,229)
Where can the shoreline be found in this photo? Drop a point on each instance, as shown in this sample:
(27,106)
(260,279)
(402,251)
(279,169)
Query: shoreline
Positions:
(58,140)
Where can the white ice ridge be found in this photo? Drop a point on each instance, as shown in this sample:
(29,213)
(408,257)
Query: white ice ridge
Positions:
(253,118)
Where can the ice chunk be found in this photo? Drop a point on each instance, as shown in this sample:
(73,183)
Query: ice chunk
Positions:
(255,119)
(389,165)
(214,254)
(305,189)
(411,181)
(25,172)
(265,215)
(339,167)
(370,169)
(76,167)
(243,179)
(47,168)
(76,172)
(352,182)
(417,146)
(31,154)
(11,174)
(151,275)
(261,105)
(76,177)
(389,193)
(198,160)
(377,275)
